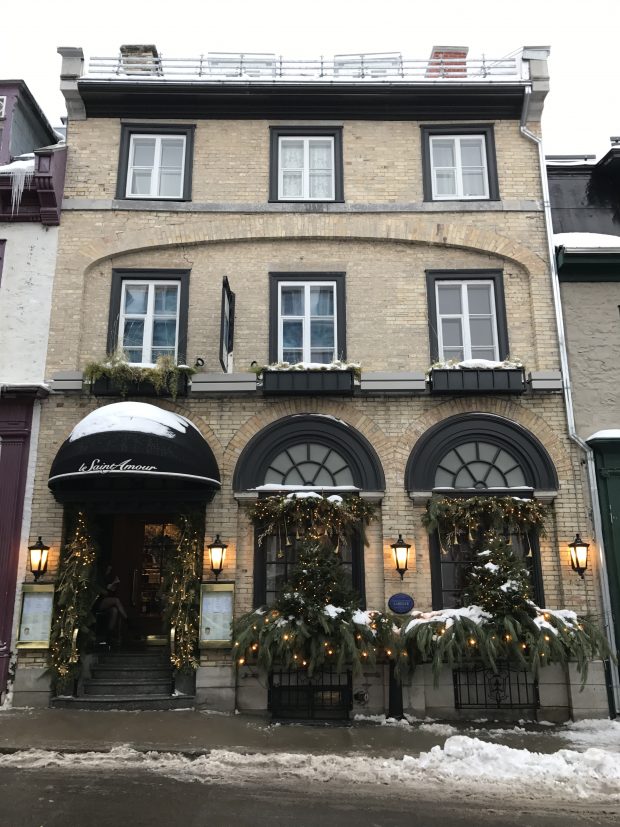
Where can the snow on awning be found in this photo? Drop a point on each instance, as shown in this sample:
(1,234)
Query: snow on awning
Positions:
(136,447)
(611,433)
(587,241)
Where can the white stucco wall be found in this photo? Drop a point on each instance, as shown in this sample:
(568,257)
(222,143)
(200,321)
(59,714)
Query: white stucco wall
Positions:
(25,300)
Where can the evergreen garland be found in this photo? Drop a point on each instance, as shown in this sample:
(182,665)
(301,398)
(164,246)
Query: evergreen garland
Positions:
(315,622)
(181,590)
(501,623)
(76,593)
(309,515)
(480,519)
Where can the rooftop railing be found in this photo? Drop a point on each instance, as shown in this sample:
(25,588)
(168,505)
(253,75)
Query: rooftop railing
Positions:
(223,67)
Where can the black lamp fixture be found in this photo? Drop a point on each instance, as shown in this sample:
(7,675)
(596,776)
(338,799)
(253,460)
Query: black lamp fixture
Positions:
(37,554)
(400,550)
(578,551)
(217,553)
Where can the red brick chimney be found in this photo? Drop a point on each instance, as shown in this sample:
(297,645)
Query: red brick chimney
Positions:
(448,62)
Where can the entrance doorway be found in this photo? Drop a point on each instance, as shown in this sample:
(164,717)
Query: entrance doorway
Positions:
(137,556)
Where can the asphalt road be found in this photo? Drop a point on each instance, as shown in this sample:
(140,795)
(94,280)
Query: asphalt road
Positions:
(59,797)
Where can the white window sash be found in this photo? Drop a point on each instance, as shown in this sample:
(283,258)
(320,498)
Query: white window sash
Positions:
(458,168)
(156,169)
(464,317)
(148,318)
(305,195)
(306,318)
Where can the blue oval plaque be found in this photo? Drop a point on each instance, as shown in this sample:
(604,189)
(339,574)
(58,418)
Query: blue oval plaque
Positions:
(401,603)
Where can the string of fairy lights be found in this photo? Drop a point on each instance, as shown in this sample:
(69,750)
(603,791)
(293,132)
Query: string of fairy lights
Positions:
(75,593)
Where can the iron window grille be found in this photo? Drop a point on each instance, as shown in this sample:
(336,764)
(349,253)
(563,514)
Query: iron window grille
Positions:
(507,687)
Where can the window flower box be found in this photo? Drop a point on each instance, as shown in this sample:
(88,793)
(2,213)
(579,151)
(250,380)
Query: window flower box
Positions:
(308,382)
(107,386)
(477,380)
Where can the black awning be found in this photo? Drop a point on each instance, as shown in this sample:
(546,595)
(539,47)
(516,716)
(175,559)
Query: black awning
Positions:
(138,449)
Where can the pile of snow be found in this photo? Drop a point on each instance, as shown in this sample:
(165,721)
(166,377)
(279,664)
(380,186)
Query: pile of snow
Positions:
(603,734)
(462,765)
(131,416)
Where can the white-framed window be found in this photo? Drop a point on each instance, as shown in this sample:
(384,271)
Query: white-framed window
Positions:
(156,166)
(466,320)
(149,320)
(306,168)
(307,322)
(459,167)
(2,106)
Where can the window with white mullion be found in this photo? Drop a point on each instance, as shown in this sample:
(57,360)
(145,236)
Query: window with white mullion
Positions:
(149,320)
(156,166)
(307,322)
(459,167)
(306,168)
(466,320)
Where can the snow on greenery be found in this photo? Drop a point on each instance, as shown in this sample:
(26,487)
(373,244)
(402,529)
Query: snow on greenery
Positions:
(337,364)
(315,622)
(307,514)
(479,364)
(500,623)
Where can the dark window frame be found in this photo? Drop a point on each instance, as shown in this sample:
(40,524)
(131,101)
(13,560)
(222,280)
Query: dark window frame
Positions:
(228,301)
(495,276)
(277,132)
(437,560)
(120,276)
(130,129)
(2,253)
(358,577)
(341,316)
(486,130)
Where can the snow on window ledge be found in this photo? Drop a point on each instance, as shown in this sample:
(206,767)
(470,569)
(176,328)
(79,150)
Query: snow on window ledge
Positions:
(337,364)
(478,364)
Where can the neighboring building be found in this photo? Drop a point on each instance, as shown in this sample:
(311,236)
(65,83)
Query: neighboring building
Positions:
(585,202)
(384,211)
(32,167)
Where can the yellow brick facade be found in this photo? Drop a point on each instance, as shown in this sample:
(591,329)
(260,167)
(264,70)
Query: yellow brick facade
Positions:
(384,255)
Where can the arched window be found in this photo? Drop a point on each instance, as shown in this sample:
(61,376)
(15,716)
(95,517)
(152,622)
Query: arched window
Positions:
(479,465)
(473,455)
(312,452)
(308,463)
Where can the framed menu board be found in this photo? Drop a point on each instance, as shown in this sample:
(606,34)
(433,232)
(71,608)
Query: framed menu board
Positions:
(35,620)
(216,614)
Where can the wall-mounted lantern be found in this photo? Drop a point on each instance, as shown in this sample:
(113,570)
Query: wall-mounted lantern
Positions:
(37,557)
(400,550)
(578,551)
(217,553)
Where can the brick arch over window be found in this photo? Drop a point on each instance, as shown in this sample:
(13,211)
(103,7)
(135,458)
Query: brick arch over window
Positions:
(415,230)
(345,448)
(520,458)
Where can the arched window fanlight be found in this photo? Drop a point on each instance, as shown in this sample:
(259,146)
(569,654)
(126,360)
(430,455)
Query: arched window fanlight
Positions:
(479,465)
(309,463)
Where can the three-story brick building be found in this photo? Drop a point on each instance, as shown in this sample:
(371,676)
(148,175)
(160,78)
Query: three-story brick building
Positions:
(244,209)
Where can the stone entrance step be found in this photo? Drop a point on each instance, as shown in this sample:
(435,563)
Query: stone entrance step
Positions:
(139,702)
(141,679)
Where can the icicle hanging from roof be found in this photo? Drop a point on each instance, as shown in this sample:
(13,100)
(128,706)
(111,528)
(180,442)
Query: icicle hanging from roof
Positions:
(21,172)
